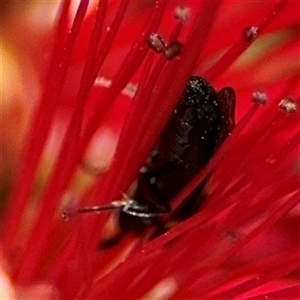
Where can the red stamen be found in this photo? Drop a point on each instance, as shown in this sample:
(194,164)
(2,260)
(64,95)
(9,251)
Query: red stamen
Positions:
(109,38)
(241,45)
(38,133)
(130,64)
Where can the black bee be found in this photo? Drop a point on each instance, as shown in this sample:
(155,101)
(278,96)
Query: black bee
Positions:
(199,124)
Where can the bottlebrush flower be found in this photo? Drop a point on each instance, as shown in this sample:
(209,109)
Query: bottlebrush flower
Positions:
(243,243)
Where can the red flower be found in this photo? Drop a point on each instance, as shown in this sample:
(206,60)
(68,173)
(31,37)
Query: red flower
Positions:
(242,243)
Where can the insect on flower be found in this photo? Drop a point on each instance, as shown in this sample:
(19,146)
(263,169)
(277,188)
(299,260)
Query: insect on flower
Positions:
(199,124)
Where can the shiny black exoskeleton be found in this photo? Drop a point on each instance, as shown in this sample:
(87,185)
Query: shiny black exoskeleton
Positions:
(199,124)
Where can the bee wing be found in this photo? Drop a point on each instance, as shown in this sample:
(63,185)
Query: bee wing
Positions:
(227,102)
